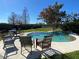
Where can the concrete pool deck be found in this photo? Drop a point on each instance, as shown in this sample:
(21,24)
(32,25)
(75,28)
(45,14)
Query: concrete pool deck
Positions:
(63,47)
(66,47)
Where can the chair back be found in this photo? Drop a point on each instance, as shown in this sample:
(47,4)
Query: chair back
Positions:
(8,41)
(25,41)
(46,43)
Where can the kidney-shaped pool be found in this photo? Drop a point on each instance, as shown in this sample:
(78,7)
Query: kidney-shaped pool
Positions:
(56,36)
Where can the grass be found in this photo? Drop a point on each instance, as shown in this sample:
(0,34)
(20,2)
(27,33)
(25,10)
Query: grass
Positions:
(40,29)
(0,37)
(72,55)
(37,29)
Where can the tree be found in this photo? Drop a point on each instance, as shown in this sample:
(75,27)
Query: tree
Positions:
(52,15)
(19,19)
(76,17)
(12,18)
(73,17)
(25,16)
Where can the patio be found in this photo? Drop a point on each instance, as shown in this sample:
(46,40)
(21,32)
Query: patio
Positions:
(63,47)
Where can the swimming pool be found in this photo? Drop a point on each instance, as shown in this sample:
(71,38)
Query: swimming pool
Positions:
(56,36)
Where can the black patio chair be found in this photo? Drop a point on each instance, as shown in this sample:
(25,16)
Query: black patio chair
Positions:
(26,43)
(9,46)
(14,33)
(45,43)
(8,41)
(47,51)
(10,51)
(34,55)
(52,54)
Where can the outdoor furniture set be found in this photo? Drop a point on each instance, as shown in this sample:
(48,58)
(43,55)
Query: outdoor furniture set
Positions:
(27,43)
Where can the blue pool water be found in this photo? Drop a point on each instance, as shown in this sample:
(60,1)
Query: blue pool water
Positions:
(56,36)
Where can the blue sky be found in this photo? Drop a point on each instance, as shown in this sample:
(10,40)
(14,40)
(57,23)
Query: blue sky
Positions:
(34,7)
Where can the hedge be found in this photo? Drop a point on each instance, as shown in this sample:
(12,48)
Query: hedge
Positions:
(74,27)
(6,27)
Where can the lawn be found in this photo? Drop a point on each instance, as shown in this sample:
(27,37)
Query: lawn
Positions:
(41,29)
(0,37)
(72,55)
(37,29)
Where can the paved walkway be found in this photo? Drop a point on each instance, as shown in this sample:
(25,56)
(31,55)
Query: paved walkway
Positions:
(64,47)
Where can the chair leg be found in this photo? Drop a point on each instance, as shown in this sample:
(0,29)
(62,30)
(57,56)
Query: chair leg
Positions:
(31,50)
(16,52)
(21,50)
(5,56)
(4,46)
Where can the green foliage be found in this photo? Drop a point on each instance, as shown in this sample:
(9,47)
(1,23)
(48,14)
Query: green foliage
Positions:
(27,26)
(52,15)
(72,25)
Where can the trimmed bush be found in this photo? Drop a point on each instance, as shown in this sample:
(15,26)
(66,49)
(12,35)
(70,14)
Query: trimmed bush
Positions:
(74,27)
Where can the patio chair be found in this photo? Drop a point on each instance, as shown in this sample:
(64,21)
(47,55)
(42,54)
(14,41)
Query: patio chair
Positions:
(47,51)
(52,54)
(10,51)
(8,41)
(34,55)
(14,34)
(9,46)
(26,43)
(45,43)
